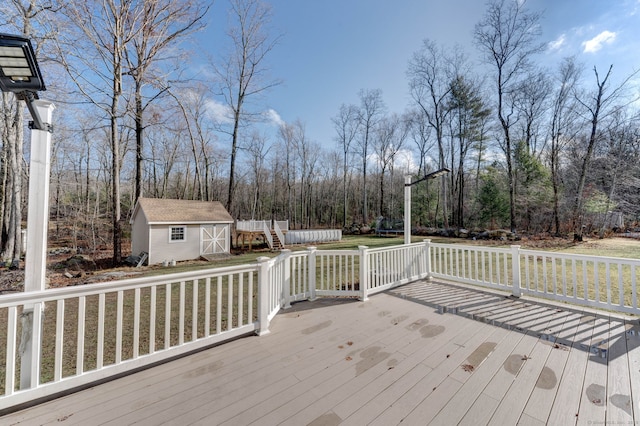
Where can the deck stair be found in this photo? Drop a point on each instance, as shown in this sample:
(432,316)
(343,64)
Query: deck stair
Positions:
(277,244)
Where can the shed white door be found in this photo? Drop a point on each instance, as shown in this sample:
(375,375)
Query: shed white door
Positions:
(213,239)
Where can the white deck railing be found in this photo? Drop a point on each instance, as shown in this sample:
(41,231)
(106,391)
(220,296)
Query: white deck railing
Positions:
(278,230)
(99,330)
(83,334)
(264,227)
(599,282)
(259,225)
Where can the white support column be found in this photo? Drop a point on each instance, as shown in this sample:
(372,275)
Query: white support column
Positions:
(312,273)
(286,282)
(427,258)
(407,209)
(515,272)
(264,293)
(364,272)
(36,251)
(38,208)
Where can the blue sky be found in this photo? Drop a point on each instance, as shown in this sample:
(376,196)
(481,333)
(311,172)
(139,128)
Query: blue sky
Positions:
(330,49)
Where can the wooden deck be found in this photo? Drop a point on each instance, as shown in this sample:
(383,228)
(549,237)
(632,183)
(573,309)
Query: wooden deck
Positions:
(424,353)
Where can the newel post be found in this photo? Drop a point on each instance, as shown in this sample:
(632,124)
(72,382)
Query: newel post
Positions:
(427,259)
(515,265)
(311,254)
(364,272)
(286,281)
(264,293)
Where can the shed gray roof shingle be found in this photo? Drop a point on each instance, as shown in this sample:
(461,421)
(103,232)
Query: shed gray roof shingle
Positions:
(182,211)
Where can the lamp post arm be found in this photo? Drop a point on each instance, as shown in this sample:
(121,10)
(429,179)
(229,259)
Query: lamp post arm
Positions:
(431,175)
(37,123)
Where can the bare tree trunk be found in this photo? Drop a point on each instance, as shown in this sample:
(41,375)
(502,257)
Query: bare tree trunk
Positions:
(595,111)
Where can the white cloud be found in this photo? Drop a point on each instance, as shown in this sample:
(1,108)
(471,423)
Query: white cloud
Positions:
(273,117)
(558,43)
(596,43)
(219,112)
(405,161)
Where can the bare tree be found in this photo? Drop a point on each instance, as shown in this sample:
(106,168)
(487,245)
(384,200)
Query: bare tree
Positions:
(12,137)
(159,27)
(430,74)
(371,108)
(468,115)
(531,102)
(23,17)
(600,103)
(258,151)
(287,140)
(617,159)
(307,155)
(105,29)
(562,128)
(346,125)
(390,135)
(507,34)
(420,132)
(243,74)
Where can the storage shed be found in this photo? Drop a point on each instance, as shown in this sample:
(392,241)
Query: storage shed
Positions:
(179,229)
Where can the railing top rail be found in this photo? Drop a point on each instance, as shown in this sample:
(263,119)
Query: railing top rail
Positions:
(337,252)
(299,254)
(127,284)
(394,248)
(472,248)
(584,257)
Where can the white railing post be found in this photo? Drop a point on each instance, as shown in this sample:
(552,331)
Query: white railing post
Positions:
(364,272)
(35,270)
(286,282)
(264,295)
(311,279)
(427,259)
(515,270)
(31,321)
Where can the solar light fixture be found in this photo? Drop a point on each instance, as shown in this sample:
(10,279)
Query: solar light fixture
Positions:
(20,74)
(431,175)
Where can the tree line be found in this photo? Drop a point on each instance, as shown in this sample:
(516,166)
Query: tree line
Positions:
(531,149)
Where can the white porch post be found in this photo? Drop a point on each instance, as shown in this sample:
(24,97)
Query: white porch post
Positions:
(407,209)
(364,272)
(286,282)
(36,251)
(427,258)
(515,265)
(264,294)
(312,273)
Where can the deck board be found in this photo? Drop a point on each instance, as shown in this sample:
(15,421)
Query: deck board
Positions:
(619,399)
(567,399)
(424,353)
(633,355)
(541,400)
(593,401)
